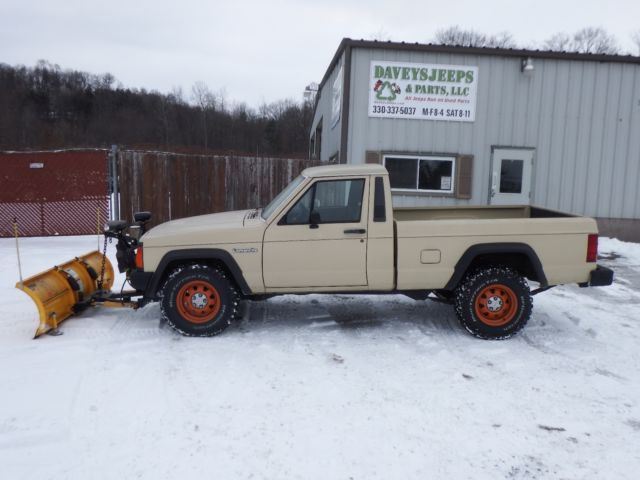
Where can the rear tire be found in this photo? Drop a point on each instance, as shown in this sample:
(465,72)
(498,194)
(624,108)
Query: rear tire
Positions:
(493,303)
(198,300)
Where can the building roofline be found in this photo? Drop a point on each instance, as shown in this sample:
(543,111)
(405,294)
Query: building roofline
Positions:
(505,52)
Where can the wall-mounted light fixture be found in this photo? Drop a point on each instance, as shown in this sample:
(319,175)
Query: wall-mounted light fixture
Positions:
(526,66)
(310,91)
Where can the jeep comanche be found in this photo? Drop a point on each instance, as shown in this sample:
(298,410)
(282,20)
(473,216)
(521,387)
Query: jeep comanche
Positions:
(333,229)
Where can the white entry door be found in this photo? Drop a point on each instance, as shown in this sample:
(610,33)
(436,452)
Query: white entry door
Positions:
(511,176)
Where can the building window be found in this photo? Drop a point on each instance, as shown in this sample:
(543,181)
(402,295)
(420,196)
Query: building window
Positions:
(312,147)
(318,143)
(315,142)
(421,173)
(511,176)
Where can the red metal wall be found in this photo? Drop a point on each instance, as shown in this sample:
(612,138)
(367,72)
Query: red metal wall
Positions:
(64,197)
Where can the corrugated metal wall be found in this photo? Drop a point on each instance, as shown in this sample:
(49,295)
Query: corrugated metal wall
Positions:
(582,118)
(174,185)
(330,135)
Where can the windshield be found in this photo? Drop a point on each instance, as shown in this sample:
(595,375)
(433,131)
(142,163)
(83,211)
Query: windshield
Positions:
(275,203)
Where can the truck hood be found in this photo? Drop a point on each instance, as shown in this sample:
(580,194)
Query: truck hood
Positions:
(215,228)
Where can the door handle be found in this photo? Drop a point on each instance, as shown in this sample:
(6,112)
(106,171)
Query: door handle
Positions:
(357,231)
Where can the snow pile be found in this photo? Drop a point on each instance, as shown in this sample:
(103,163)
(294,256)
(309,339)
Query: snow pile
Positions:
(322,386)
(609,246)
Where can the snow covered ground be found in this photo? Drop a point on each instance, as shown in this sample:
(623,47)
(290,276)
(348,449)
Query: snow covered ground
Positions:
(322,387)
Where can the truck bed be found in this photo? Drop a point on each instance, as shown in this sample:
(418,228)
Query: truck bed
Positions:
(474,213)
(430,241)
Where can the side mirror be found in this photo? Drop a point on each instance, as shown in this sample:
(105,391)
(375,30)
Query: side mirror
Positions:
(117,225)
(142,216)
(314,219)
(141,219)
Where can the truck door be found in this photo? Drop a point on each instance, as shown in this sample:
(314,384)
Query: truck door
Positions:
(321,239)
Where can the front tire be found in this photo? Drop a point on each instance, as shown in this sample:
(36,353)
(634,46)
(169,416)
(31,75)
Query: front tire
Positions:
(198,300)
(493,303)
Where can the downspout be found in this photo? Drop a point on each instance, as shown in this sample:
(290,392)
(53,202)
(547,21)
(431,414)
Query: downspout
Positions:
(346,93)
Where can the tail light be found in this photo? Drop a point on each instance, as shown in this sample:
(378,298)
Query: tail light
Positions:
(592,248)
(139,258)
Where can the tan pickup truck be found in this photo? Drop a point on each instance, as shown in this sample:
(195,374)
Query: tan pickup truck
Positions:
(333,229)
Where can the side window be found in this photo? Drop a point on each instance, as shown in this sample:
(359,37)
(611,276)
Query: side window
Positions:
(299,213)
(331,201)
(379,210)
(339,201)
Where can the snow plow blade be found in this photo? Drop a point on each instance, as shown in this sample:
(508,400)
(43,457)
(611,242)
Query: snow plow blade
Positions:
(67,289)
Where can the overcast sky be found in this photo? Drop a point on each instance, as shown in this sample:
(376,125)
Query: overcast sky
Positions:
(260,51)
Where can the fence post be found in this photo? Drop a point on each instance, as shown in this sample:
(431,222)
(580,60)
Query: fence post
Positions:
(114,182)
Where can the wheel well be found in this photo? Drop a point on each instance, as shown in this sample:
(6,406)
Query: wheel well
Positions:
(211,257)
(519,262)
(209,262)
(520,257)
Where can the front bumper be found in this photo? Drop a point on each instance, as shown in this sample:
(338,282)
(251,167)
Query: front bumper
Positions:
(600,277)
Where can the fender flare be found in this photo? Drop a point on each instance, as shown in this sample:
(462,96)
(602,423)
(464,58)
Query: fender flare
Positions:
(495,248)
(197,254)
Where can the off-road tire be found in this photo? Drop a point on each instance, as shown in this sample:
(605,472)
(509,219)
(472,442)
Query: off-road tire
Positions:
(198,300)
(493,303)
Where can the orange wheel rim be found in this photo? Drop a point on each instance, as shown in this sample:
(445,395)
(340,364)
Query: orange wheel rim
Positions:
(198,301)
(496,305)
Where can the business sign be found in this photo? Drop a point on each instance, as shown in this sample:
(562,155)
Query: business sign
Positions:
(423,91)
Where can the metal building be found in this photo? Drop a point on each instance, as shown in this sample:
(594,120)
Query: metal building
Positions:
(460,125)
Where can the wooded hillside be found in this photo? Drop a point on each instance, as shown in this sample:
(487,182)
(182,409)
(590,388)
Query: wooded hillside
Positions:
(45,107)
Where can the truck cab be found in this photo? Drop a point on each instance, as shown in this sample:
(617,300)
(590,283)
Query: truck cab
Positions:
(335,234)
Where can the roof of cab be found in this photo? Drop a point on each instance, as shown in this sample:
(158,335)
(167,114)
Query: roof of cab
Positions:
(343,170)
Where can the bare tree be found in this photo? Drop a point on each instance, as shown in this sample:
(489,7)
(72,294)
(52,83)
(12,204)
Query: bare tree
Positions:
(635,37)
(203,97)
(502,40)
(595,40)
(381,35)
(456,35)
(558,42)
(587,40)
(177,95)
(205,101)
(220,98)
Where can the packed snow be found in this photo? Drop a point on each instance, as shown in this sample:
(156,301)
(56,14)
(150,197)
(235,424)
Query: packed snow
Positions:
(322,387)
